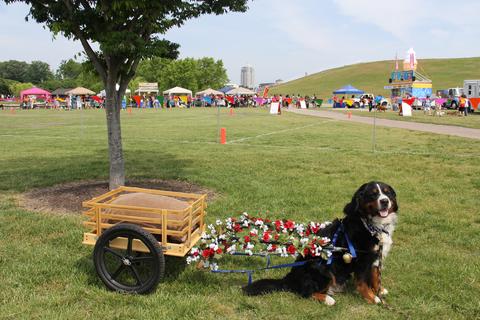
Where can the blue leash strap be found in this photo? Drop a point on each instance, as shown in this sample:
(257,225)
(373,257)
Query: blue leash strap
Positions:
(351,248)
(334,241)
(250,272)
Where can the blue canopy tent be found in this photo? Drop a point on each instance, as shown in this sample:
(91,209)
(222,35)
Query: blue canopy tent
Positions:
(226,89)
(348,89)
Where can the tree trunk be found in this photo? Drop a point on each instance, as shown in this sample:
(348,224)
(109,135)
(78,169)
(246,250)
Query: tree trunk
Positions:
(115,151)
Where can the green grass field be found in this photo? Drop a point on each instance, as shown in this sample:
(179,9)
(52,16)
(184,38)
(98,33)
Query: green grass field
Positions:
(373,76)
(305,168)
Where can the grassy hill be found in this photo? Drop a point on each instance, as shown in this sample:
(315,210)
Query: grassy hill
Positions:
(373,76)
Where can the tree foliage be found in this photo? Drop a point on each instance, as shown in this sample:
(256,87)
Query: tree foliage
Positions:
(194,74)
(69,69)
(14,70)
(21,71)
(4,88)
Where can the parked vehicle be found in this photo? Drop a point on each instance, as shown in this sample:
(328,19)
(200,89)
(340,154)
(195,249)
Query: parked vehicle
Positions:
(471,88)
(452,95)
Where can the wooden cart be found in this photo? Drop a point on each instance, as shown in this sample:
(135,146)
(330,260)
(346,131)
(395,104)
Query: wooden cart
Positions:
(129,249)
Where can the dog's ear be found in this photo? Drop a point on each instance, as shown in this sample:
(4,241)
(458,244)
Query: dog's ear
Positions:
(394,200)
(353,206)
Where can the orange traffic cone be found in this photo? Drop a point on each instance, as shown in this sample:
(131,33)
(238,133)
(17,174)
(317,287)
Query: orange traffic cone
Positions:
(223,136)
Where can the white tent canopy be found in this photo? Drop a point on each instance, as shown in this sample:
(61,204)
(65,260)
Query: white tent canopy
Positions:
(209,91)
(80,91)
(241,91)
(178,90)
(103,93)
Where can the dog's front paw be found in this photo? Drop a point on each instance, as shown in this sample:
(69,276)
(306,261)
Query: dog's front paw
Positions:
(329,301)
(383,292)
(377,300)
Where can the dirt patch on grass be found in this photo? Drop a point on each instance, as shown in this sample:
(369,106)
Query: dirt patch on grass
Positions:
(68,197)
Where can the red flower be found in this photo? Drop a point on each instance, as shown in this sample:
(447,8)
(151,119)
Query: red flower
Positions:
(278,224)
(291,249)
(267,221)
(246,238)
(306,251)
(219,251)
(207,253)
(237,227)
(289,224)
(274,247)
(266,237)
(276,236)
(307,233)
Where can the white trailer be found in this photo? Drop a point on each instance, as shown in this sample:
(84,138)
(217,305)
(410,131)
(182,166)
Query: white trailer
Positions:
(471,89)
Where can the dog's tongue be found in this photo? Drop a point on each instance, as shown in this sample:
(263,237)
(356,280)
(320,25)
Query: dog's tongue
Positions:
(383,213)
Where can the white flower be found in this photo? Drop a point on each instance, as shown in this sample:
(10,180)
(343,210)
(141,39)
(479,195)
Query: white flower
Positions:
(250,245)
(245,223)
(214,246)
(265,227)
(300,228)
(213,266)
(222,237)
(259,223)
(232,249)
(304,241)
(269,247)
(189,260)
(254,231)
(218,222)
(249,252)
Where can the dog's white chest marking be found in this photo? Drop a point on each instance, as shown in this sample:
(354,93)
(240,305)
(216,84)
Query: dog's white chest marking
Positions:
(387,225)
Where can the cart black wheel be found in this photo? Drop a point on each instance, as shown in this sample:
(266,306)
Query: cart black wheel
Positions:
(125,270)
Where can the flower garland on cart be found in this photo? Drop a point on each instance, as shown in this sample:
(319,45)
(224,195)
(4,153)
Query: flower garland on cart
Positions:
(253,236)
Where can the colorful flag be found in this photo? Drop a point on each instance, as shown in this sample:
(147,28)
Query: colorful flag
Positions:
(396,62)
(412,61)
(265,92)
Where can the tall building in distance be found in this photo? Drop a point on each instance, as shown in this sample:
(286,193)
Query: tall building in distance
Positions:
(247,77)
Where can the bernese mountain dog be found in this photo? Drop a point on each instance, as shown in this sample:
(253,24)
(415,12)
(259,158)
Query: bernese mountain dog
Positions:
(366,234)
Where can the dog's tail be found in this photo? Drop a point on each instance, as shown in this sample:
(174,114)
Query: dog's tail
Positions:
(265,286)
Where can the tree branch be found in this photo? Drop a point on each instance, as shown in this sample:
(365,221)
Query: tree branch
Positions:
(86,46)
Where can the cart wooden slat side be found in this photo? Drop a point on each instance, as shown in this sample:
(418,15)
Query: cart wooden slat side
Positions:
(188,228)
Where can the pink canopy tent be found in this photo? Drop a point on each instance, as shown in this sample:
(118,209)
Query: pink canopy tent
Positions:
(35,92)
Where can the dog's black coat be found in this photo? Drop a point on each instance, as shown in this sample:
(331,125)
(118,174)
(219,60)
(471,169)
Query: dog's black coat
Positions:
(315,276)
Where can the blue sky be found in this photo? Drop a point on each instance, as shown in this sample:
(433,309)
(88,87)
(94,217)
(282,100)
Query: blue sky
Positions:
(284,39)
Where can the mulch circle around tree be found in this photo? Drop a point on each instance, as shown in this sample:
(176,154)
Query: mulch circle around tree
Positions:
(67,198)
